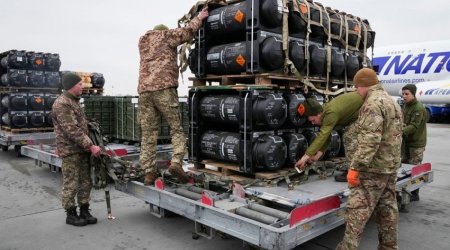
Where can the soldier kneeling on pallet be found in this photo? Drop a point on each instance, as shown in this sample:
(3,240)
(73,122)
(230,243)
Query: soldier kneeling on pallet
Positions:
(342,111)
(75,148)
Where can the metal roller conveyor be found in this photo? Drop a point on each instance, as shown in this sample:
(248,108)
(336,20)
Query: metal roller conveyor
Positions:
(188,194)
(195,189)
(269,211)
(251,214)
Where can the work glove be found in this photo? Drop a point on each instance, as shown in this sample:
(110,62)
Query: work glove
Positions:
(352,178)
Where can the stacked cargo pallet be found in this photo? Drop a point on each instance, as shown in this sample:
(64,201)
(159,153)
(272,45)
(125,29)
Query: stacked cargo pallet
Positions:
(30,83)
(325,46)
(242,45)
(93,83)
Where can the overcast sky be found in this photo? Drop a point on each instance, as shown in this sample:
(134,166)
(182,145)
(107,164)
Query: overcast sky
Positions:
(102,35)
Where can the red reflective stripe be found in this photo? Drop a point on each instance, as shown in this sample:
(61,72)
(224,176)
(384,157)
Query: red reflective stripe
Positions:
(307,211)
(422,168)
(118,152)
(159,184)
(207,200)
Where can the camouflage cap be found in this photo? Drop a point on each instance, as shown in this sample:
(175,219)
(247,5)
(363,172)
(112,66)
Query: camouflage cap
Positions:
(365,77)
(69,80)
(309,108)
(410,87)
(160,27)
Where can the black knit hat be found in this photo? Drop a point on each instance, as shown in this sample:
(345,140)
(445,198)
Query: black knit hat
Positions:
(69,80)
(309,108)
(410,87)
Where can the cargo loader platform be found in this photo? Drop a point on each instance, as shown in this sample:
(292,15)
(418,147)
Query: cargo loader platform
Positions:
(8,138)
(46,154)
(268,217)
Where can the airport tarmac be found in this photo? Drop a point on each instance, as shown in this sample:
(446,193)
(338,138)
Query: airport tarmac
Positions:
(31,216)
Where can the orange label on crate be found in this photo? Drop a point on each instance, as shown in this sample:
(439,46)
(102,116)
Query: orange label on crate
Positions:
(357,28)
(240,60)
(301,109)
(239,16)
(38,61)
(38,100)
(303,8)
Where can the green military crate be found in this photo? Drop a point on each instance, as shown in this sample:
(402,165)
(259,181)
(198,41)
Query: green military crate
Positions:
(100,108)
(127,124)
(127,118)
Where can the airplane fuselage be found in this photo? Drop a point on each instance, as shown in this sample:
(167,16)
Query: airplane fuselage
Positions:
(419,64)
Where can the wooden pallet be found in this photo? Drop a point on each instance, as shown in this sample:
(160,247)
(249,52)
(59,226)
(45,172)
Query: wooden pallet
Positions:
(265,79)
(93,91)
(233,171)
(27,130)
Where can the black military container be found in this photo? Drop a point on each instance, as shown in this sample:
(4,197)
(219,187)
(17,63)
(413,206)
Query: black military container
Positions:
(296,146)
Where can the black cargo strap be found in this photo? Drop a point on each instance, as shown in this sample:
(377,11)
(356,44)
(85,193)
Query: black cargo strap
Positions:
(101,167)
(102,171)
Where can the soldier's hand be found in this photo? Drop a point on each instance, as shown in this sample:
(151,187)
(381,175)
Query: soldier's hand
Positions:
(300,164)
(204,13)
(95,150)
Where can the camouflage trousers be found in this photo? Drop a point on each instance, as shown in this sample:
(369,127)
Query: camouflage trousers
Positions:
(375,194)
(412,155)
(77,181)
(151,106)
(349,139)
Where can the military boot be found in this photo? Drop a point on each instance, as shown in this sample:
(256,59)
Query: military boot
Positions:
(177,171)
(150,178)
(73,218)
(86,215)
(341,177)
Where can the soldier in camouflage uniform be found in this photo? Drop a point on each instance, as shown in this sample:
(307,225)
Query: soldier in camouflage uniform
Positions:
(340,112)
(414,131)
(75,148)
(158,82)
(373,171)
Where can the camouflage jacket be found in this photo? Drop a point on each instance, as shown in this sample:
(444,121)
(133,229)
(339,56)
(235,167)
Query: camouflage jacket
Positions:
(379,127)
(158,51)
(70,126)
(341,111)
(415,119)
